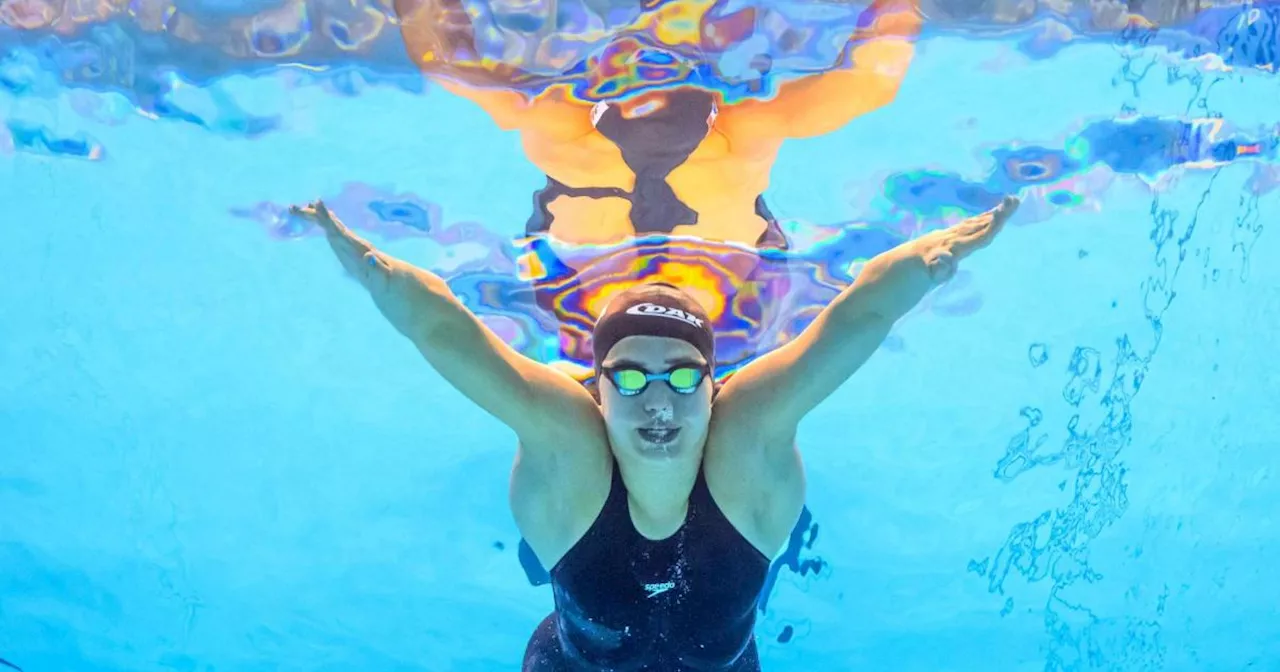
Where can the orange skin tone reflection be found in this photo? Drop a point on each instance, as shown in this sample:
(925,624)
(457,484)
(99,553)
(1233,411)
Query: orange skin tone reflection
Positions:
(722,177)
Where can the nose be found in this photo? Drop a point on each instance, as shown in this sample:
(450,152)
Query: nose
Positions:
(659,403)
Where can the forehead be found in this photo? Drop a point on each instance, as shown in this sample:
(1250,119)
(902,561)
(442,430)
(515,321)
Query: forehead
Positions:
(653,351)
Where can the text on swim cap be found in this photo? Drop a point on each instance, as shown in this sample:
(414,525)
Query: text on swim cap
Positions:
(664,311)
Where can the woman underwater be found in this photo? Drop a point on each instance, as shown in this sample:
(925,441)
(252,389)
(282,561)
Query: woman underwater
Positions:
(656,497)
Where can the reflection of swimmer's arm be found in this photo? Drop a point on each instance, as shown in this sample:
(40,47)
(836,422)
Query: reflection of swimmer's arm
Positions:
(545,115)
(819,104)
(431,28)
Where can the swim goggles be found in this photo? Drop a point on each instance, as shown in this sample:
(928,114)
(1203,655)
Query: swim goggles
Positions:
(631,380)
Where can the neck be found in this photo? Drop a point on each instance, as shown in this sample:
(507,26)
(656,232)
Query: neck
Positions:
(658,493)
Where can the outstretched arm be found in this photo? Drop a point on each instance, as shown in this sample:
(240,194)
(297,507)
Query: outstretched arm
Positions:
(770,396)
(546,408)
(874,63)
(438,35)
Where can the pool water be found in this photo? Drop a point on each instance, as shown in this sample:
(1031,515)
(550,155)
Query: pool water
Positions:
(215,454)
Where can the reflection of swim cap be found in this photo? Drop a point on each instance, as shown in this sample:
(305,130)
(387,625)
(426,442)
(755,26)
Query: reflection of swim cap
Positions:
(654,309)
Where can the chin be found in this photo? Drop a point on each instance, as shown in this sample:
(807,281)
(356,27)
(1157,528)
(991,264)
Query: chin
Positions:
(660,452)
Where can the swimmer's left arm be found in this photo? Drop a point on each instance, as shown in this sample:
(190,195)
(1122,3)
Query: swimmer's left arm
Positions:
(770,396)
(877,61)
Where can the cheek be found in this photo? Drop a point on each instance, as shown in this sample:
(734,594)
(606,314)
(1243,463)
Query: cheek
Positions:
(695,408)
(618,413)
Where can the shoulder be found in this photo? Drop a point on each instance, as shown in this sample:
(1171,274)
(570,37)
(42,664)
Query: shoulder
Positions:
(756,478)
(559,485)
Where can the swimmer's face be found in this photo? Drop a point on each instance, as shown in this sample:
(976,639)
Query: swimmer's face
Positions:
(658,423)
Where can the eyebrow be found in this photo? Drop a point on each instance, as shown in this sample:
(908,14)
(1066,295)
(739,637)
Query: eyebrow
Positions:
(670,361)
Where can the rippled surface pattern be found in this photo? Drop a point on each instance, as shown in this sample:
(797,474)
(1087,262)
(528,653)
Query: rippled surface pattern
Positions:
(214,455)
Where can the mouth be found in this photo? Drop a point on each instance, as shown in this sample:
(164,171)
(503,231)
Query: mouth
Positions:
(658,436)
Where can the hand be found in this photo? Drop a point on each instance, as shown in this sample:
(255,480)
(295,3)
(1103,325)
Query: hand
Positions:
(357,256)
(943,250)
(397,288)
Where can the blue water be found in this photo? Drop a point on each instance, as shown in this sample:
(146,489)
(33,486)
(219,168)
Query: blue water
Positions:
(215,455)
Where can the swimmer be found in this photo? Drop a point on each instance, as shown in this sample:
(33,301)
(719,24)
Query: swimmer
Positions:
(663,162)
(658,498)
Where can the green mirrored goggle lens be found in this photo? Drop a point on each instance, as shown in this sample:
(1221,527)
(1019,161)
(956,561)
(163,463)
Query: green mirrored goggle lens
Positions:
(630,380)
(685,378)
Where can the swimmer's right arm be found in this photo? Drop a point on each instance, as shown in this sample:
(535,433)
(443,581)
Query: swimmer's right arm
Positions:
(433,30)
(545,407)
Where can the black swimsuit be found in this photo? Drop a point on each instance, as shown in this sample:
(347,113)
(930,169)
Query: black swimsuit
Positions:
(625,603)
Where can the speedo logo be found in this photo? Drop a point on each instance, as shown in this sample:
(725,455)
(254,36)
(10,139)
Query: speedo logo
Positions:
(664,311)
(656,589)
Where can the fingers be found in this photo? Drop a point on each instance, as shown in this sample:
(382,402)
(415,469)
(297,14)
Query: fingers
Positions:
(977,232)
(318,214)
(1005,210)
(993,218)
(357,256)
(350,249)
(996,218)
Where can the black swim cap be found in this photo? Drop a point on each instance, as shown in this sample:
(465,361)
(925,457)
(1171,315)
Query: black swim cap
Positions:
(653,309)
